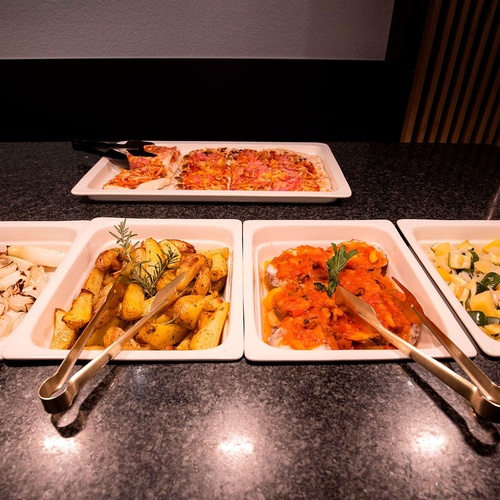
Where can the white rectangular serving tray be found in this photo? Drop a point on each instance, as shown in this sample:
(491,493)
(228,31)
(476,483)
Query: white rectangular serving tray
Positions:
(266,239)
(58,235)
(91,183)
(422,232)
(32,341)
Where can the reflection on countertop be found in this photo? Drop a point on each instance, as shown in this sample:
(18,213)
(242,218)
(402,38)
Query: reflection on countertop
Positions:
(255,430)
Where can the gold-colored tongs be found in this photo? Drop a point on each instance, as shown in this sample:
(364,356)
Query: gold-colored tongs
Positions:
(484,396)
(57,393)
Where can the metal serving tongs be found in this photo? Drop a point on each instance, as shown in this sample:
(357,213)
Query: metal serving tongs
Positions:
(115,151)
(54,398)
(484,396)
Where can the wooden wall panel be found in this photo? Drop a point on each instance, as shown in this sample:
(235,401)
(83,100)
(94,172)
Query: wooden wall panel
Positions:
(454,97)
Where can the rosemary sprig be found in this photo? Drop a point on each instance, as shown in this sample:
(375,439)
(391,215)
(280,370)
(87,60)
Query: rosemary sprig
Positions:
(335,264)
(143,273)
(147,276)
(124,238)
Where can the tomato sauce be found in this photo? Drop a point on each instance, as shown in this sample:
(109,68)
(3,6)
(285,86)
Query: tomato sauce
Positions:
(299,314)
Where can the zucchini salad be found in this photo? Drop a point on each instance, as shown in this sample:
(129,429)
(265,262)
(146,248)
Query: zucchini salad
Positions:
(472,273)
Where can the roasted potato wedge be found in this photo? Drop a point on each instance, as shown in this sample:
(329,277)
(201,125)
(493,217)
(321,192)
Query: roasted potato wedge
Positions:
(133,303)
(183,246)
(81,310)
(212,302)
(183,345)
(114,333)
(191,265)
(94,282)
(108,260)
(203,282)
(224,251)
(97,337)
(209,335)
(162,335)
(64,336)
(187,310)
(171,252)
(219,269)
(154,255)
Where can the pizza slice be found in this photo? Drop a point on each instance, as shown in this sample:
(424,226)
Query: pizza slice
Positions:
(291,171)
(249,171)
(147,172)
(204,169)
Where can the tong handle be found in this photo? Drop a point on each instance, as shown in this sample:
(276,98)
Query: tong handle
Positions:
(54,383)
(482,405)
(489,389)
(484,383)
(112,149)
(54,398)
(64,400)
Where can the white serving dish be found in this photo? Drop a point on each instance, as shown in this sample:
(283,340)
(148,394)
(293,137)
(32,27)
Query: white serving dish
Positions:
(420,233)
(50,234)
(266,239)
(91,183)
(33,340)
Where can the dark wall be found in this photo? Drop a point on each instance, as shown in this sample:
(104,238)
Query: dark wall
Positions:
(213,99)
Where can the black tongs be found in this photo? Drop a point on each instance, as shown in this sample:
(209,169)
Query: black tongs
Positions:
(115,151)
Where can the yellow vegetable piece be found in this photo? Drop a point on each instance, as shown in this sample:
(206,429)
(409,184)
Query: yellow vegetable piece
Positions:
(268,299)
(441,249)
(483,302)
(465,245)
(482,266)
(492,247)
(493,331)
(444,274)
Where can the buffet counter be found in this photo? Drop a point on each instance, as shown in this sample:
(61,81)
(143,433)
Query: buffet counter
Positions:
(241,429)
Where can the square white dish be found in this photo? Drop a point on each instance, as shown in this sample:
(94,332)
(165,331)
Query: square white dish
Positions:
(420,233)
(58,235)
(266,239)
(91,183)
(33,340)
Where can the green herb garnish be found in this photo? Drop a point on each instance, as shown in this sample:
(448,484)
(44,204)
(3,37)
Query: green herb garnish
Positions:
(147,276)
(335,264)
(143,273)
(124,239)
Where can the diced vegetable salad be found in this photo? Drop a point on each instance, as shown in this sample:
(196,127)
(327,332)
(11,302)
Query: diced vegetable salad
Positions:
(472,273)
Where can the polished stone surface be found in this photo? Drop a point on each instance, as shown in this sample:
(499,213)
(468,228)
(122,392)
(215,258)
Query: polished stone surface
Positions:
(255,430)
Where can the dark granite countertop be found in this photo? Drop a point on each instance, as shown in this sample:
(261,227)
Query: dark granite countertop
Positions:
(251,430)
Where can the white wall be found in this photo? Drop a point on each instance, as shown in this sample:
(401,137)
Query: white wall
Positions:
(288,29)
